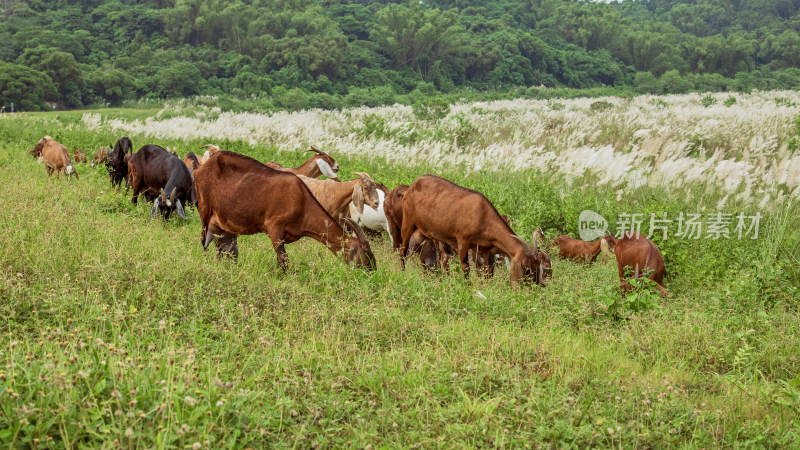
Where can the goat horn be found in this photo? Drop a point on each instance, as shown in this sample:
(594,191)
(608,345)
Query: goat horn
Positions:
(208,146)
(163,194)
(525,245)
(356,229)
(362,175)
(536,240)
(315,150)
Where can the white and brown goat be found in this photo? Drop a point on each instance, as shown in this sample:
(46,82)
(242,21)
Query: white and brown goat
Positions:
(336,196)
(55,157)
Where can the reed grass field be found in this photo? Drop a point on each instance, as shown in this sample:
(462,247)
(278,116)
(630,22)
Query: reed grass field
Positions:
(117,330)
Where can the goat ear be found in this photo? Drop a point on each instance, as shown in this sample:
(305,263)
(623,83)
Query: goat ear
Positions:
(181,212)
(536,242)
(154,211)
(516,272)
(326,170)
(358,199)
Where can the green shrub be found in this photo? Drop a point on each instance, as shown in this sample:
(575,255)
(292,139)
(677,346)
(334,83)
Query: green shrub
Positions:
(431,109)
(642,297)
(601,105)
(708,100)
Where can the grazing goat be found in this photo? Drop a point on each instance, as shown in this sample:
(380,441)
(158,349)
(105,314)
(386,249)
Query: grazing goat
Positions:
(578,250)
(240,196)
(335,196)
(55,156)
(319,164)
(116,165)
(163,179)
(100,157)
(80,157)
(191,161)
(636,252)
(373,218)
(465,219)
(433,254)
(446,251)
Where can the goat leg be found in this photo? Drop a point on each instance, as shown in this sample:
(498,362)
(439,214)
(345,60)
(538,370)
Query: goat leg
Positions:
(444,254)
(136,186)
(463,255)
(276,236)
(404,250)
(487,263)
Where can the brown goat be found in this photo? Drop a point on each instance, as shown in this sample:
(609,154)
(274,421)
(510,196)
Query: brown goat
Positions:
(465,219)
(578,250)
(433,254)
(191,161)
(446,251)
(636,252)
(335,196)
(55,156)
(80,157)
(319,164)
(239,195)
(100,157)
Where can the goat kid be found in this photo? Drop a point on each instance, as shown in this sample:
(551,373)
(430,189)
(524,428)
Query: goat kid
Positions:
(100,157)
(578,250)
(80,157)
(636,252)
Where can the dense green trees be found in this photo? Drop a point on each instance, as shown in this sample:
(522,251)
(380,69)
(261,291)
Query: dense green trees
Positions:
(26,88)
(331,53)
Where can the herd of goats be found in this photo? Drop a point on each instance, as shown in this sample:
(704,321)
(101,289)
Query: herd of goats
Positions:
(237,195)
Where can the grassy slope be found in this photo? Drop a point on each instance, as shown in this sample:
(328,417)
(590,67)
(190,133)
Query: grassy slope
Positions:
(119,329)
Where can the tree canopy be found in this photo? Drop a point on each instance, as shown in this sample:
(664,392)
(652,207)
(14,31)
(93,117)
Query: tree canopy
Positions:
(91,51)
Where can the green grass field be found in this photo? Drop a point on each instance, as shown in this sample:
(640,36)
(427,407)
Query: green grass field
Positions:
(119,331)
